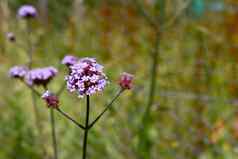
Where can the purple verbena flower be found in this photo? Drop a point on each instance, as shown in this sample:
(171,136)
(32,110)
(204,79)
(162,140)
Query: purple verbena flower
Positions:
(51,100)
(40,76)
(27,11)
(86,77)
(69,60)
(18,72)
(126,80)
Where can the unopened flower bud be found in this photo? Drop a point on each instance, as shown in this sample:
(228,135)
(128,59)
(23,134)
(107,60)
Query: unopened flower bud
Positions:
(51,100)
(126,80)
(11,37)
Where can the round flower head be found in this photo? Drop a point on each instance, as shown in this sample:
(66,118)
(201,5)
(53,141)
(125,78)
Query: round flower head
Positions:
(11,37)
(40,76)
(18,72)
(51,100)
(69,60)
(27,11)
(86,77)
(126,80)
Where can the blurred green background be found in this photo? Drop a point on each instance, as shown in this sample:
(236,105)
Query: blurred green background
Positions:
(194,114)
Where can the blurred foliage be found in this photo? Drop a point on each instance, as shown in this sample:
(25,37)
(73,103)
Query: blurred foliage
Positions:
(195,113)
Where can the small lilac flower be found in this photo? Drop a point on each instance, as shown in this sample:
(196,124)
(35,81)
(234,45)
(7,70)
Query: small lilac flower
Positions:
(40,76)
(86,77)
(51,100)
(11,37)
(18,72)
(69,60)
(126,80)
(27,11)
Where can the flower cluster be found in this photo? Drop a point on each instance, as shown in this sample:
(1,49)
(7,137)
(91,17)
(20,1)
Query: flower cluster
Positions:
(27,11)
(86,77)
(40,76)
(126,80)
(69,60)
(18,72)
(51,100)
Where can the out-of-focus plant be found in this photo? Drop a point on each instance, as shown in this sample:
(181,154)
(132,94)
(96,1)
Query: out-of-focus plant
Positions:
(158,23)
(33,77)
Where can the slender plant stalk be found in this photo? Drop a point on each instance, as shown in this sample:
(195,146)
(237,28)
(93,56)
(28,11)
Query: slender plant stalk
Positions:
(29,44)
(106,108)
(37,115)
(34,93)
(144,145)
(153,72)
(61,89)
(71,119)
(85,140)
(87,125)
(53,133)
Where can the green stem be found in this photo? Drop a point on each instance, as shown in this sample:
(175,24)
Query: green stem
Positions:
(29,44)
(145,144)
(85,140)
(53,133)
(153,73)
(34,93)
(106,108)
(37,119)
(60,91)
(69,118)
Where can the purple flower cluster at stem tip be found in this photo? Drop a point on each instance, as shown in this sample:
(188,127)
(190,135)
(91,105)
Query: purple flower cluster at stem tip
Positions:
(86,77)
(40,76)
(69,60)
(18,72)
(27,11)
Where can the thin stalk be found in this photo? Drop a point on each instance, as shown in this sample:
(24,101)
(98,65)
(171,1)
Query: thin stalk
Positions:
(53,133)
(153,73)
(29,44)
(85,140)
(106,108)
(145,144)
(38,94)
(37,117)
(71,119)
(34,93)
(145,14)
(60,91)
